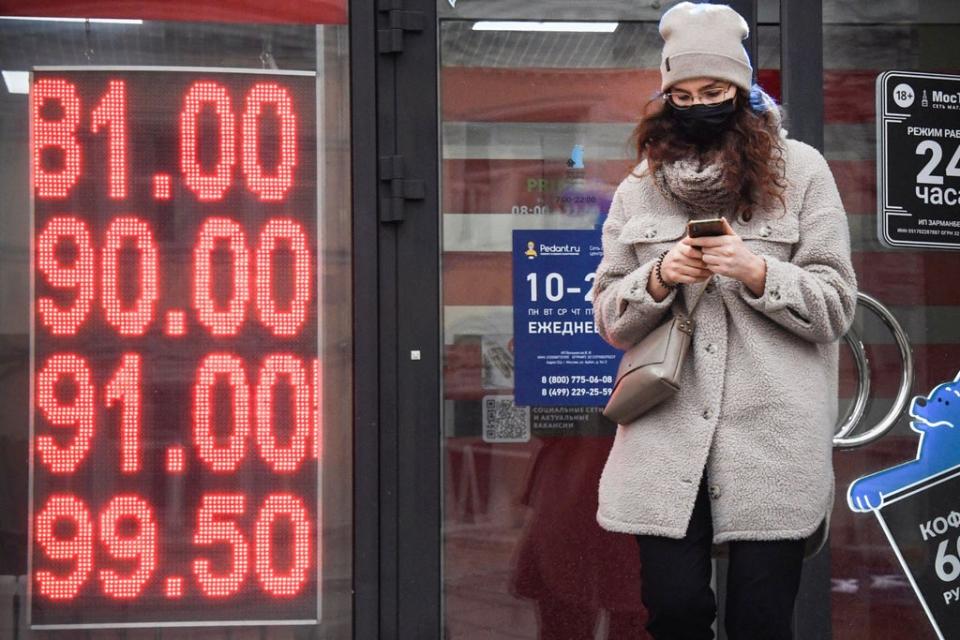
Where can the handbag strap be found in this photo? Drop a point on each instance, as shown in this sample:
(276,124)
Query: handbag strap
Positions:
(699,295)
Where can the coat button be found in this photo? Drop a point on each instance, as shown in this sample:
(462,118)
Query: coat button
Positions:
(706,414)
(764,231)
(775,293)
(714,491)
(650,233)
(711,348)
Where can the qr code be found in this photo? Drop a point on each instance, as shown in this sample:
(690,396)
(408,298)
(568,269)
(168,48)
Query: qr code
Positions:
(504,421)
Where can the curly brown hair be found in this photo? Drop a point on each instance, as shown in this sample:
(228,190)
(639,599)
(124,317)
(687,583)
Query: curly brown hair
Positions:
(748,148)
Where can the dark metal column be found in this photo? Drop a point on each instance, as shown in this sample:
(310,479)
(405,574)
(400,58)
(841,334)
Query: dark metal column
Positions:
(801,68)
(407,295)
(366,342)
(748,9)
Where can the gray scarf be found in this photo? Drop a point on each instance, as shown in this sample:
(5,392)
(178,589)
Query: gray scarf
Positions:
(695,185)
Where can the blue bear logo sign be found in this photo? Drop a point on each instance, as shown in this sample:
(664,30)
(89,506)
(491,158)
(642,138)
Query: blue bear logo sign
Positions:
(938,423)
(917,504)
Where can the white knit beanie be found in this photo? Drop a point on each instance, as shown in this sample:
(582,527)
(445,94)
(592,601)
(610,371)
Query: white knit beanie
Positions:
(704,40)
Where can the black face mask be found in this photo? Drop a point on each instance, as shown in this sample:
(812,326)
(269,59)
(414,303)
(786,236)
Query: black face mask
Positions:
(702,121)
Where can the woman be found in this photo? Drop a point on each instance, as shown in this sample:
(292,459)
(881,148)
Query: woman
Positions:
(742,454)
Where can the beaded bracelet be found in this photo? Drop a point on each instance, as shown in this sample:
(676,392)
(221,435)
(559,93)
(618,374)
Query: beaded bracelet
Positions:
(660,279)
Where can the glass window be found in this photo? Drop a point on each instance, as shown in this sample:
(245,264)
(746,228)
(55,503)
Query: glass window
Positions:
(871,595)
(174,320)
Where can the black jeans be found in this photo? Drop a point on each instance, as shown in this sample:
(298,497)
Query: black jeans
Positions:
(762,581)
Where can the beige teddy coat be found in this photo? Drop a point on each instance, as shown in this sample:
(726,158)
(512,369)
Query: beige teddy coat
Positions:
(757,406)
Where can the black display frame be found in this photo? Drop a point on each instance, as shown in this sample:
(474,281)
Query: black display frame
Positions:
(97,73)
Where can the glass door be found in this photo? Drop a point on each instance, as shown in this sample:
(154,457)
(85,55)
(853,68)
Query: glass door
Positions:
(535,120)
(533,131)
(872,595)
(535,125)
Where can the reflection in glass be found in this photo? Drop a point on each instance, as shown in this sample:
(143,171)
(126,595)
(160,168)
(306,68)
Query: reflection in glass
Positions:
(871,596)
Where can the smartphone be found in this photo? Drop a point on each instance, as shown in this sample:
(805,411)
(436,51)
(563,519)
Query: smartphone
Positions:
(705,227)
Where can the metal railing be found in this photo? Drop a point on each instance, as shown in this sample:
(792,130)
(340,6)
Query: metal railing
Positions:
(857,409)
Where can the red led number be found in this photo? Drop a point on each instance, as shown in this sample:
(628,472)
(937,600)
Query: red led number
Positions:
(65,397)
(74,274)
(77,413)
(74,371)
(207,186)
(124,389)
(276,368)
(269,187)
(134,321)
(283,323)
(59,133)
(111,114)
(64,532)
(224,322)
(214,366)
(140,546)
(65,257)
(214,528)
(290,509)
(283,459)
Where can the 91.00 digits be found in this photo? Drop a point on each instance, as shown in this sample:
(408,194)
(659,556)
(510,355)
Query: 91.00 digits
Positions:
(124,389)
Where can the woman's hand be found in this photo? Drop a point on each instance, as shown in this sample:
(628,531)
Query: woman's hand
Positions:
(683,263)
(729,256)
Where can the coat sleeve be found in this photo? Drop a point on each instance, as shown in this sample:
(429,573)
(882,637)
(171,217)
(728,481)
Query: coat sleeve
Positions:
(814,295)
(623,309)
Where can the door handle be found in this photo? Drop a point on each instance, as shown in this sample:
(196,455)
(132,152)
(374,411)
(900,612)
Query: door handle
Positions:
(857,408)
(855,413)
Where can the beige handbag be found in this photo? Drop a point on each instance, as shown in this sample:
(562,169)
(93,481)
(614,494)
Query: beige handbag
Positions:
(649,372)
